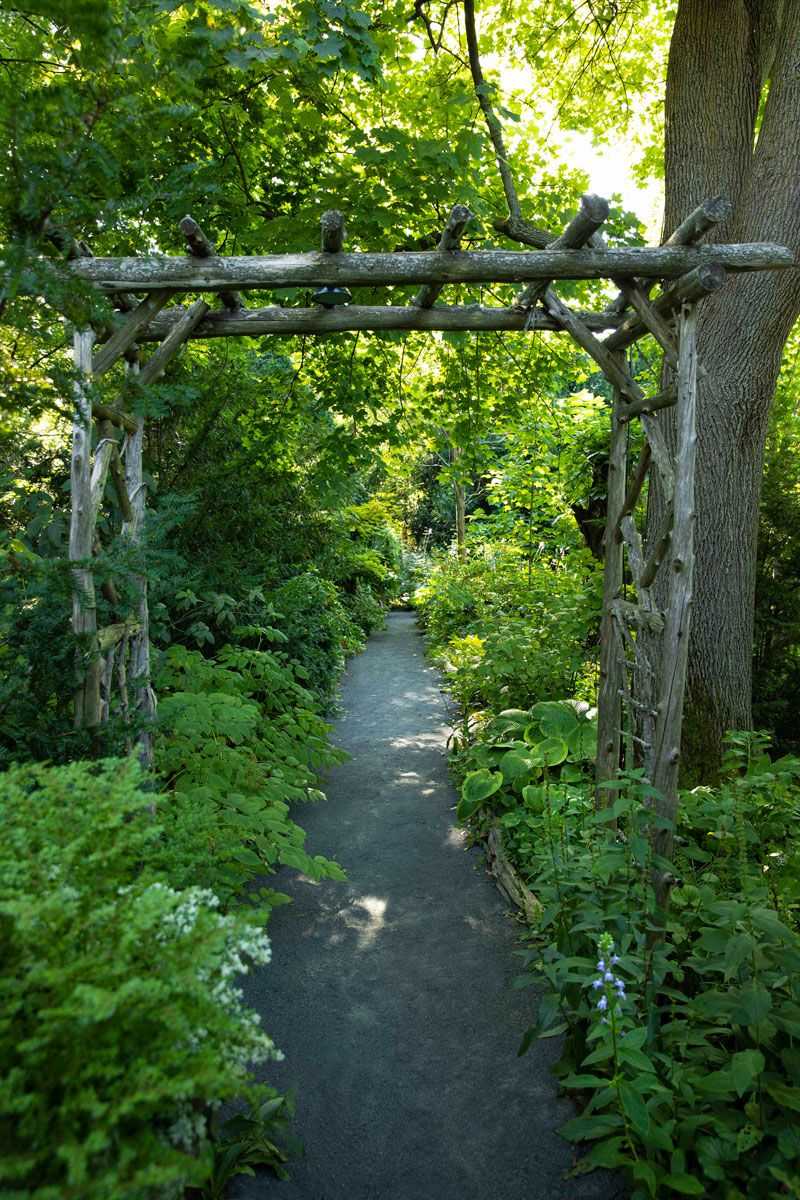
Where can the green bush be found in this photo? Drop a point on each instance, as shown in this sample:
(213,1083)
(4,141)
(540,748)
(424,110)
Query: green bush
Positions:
(320,633)
(241,742)
(364,608)
(122,1027)
(508,634)
(683,1050)
(363,549)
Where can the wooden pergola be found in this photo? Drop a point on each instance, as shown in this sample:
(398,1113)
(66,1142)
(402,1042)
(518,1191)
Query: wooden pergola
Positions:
(643,646)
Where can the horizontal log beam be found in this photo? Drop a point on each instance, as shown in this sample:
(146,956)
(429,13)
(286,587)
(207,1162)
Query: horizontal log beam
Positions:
(72,248)
(353,318)
(377,270)
(101,412)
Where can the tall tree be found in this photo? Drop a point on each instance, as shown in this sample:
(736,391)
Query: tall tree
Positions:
(733,127)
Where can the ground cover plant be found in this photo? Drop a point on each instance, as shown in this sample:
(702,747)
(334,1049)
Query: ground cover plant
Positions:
(123,1027)
(679,1043)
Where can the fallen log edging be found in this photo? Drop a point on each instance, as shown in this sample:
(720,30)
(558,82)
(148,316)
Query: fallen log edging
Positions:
(507,877)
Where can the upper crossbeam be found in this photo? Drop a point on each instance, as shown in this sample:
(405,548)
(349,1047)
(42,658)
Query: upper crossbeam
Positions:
(214,274)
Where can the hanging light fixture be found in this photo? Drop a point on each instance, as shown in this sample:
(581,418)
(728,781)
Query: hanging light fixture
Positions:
(330,295)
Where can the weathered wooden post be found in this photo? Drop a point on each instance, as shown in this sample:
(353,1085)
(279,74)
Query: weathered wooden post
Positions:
(677,618)
(609,703)
(81,540)
(143,696)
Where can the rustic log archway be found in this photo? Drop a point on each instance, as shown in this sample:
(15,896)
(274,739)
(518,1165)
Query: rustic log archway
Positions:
(642,677)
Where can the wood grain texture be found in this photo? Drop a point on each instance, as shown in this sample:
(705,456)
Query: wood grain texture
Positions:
(373,270)
(254,322)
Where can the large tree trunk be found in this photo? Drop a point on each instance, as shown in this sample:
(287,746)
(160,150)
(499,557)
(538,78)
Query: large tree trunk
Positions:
(722,53)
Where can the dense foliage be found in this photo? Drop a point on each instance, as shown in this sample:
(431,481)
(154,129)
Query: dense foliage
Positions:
(295,489)
(123,1028)
(678,1044)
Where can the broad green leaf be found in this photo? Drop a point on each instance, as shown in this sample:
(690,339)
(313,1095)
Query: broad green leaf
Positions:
(635,1058)
(534,796)
(608,1154)
(556,718)
(687,1185)
(582,741)
(643,1173)
(752,1004)
(746,1066)
(635,1107)
(739,948)
(550,752)
(477,788)
(786,1096)
(515,766)
(581,1129)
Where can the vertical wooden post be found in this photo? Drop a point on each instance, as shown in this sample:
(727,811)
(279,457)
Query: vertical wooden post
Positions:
(81,540)
(675,643)
(609,704)
(144,698)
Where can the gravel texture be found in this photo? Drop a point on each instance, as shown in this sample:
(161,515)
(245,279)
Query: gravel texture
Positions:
(390,994)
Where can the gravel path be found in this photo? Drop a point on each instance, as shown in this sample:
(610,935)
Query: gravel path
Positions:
(390,995)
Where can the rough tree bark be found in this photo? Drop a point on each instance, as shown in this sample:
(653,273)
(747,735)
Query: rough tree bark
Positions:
(725,56)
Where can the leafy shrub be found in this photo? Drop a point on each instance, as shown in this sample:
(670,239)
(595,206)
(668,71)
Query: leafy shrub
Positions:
(536,759)
(364,608)
(683,1049)
(507,636)
(241,743)
(319,631)
(37,656)
(415,567)
(122,1026)
(366,550)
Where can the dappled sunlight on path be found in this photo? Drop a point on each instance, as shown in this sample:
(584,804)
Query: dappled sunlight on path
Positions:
(390,995)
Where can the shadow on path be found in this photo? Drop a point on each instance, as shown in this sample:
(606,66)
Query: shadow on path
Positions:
(390,995)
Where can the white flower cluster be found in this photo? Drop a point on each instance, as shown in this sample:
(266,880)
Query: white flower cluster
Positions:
(238,947)
(187,1130)
(180,921)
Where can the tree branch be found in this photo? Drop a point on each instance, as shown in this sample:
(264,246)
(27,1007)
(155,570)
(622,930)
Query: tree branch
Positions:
(492,121)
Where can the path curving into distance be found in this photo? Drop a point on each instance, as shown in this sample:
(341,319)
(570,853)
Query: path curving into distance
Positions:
(390,994)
